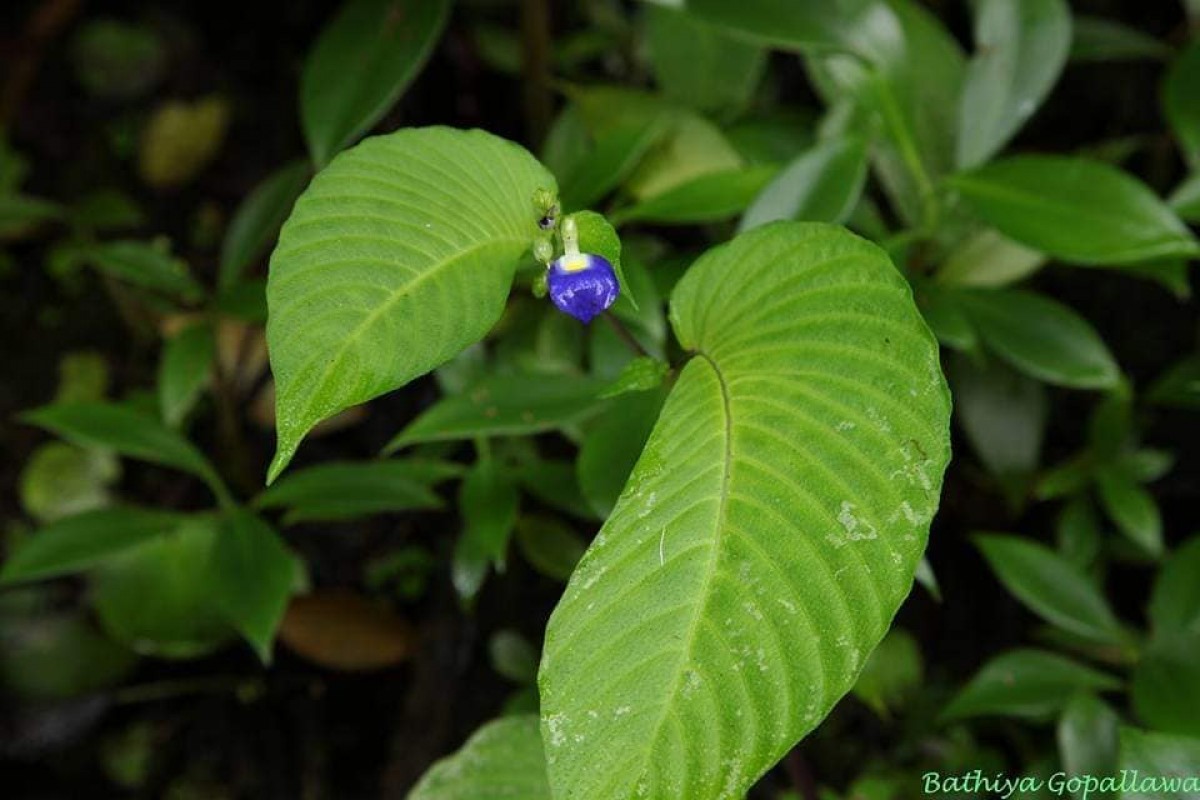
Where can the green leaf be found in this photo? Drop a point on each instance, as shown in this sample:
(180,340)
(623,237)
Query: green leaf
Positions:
(59,480)
(597,235)
(1181,101)
(550,546)
(506,405)
(611,446)
(1175,603)
(989,260)
(601,169)
(127,432)
(1087,736)
(1041,337)
(786,490)
(822,184)
(553,482)
(183,371)
(708,198)
(1077,532)
(1133,510)
(360,66)
(1074,209)
(891,673)
(148,265)
(253,577)
(55,657)
(1025,683)
(1020,49)
(1051,587)
(1104,40)
(502,759)
(80,542)
(1166,684)
(257,220)
(944,314)
(1003,414)
(699,64)
(397,256)
(19,215)
(640,375)
(1185,200)
(1179,386)
(158,597)
(796,26)
(350,489)
(1162,762)
(488,501)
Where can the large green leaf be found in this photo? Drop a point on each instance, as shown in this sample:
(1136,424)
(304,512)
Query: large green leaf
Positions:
(1087,736)
(503,759)
(120,428)
(360,66)
(398,256)
(1052,587)
(1025,683)
(1041,337)
(1075,209)
(76,543)
(768,533)
(1020,48)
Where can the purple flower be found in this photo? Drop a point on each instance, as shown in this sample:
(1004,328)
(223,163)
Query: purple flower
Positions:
(582,285)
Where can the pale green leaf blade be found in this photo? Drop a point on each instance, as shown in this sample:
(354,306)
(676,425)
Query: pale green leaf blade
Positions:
(821,185)
(503,759)
(1041,337)
(1162,762)
(709,198)
(1133,510)
(253,576)
(79,542)
(1075,209)
(1025,683)
(257,220)
(148,265)
(398,255)
(768,533)
(488,501)
(363,61)
(506,405)
(891,673)
(1175,601)
(1051,587)
(1087,736)
(349,489)
(183,371)
(1021,48)
(1099,39)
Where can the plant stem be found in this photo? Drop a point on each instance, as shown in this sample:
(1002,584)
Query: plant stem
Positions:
(626,337)
(535,68)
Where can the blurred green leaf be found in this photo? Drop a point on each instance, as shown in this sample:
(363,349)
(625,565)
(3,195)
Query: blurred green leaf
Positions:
(1186,199)
(1020,49)
(181,139)
(513,656)
(599,170)
(364,59)
(1074,209)
(1087,736)
(1041,337)
(1051,587)
(256,223)
(118,60)
(946,318)
(159,597)
(59,656)
(987,259)
(553,482)
(183,371)
(20,215)
(505,405)
(639,375)
(1025,683)
(550,546)
(892,672)
(1104,40)
(1133,510)
(700,65)
(612,445)
(80,542)
(253,575)
(1179,386)
(59,480)
(82,377)
(708,198)
(1166,684)
(502,759)
(1181,101)
(822,184)
(1077,532)
(127,432)
(148,265)
(488,502)
(1175,602)
(350,489)
(1158,757)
